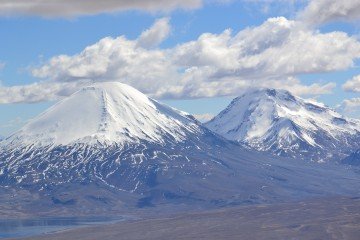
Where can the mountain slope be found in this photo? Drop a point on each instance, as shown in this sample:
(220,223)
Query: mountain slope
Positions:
(99,133)
(278,122)
(109,148)
(353,159)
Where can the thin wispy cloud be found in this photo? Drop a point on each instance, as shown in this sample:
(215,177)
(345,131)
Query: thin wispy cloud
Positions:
(2,65)
(155,35)
(74,8)
(324,11)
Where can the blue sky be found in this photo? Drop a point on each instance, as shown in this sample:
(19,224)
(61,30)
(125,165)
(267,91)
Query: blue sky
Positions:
(29,40)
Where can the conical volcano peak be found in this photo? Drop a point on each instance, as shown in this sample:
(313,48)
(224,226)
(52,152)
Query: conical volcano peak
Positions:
(106,112)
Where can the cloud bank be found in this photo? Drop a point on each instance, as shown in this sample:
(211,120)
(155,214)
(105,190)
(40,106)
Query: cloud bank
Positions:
(271,54)
(73,8)
(224,64)
(39,92)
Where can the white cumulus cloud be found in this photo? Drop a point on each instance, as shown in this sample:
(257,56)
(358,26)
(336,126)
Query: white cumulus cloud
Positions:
(350,107)
(155,35)
(224,64)
(352,85)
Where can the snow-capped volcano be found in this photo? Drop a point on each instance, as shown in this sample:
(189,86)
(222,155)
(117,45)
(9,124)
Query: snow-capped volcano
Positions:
(115,137)
(276,121)
(104,132)
(109,147)
(106,113)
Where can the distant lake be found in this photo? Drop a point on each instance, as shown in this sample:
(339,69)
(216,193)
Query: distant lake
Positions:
(31,227)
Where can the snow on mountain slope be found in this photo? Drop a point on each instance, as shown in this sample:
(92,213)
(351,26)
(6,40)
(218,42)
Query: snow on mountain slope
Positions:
(108,147)
(105,113)
(113,136)
(278,122)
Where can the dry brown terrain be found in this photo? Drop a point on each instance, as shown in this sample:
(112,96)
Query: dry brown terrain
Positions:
(335,218)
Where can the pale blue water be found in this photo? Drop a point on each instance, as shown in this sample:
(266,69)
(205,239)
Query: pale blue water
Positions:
(10,228)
